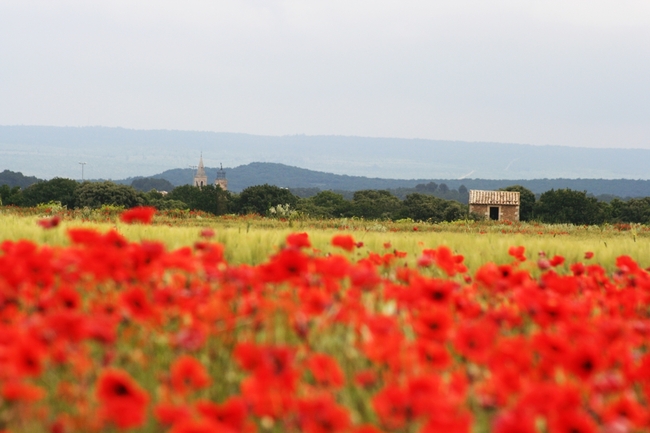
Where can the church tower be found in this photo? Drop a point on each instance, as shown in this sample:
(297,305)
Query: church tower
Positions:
(200,178)
(221,179)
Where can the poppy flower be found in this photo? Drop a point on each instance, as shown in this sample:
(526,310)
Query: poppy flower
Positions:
(231,413)
(433,323)
(136,302)
(573,421)
(187,374)
(200,426)
(122,400)
(556,261)
(142,214)
(393,407)
(27,358)
(207,233)
(322,414)
(585,360)
(326,370)
(298,240)
(474,339)
(49,223)
(169,414)
(517,253)
(345,242)
(19,391)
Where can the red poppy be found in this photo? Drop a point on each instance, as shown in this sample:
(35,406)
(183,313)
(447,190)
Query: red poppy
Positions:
(142,214)
(326,370)
(517,253)
(445,260)
(393,407)
(19,391)
(433,354)
(474,339)
(200,426)
(585,360)
(365,378)
(122,400)
(345,242)
(207,233)
(556,261)
(433,323)
(136,302)
(321,414)
(169,414)
(232,413)
(49,223)
(573,421)
(298,240)
(288,263)
(188,374)
(27,358)
(514,422)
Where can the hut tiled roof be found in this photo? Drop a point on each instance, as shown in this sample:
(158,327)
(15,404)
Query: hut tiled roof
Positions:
(493,197)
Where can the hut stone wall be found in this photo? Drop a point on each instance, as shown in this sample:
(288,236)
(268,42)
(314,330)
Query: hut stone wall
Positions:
(496,205)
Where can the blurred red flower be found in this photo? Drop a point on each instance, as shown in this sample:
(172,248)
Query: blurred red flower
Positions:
(344,241)
(49,223)
(298,240)
(188,374)
(143,214)
(122,400)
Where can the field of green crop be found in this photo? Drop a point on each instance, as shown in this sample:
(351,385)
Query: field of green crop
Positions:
(251,239)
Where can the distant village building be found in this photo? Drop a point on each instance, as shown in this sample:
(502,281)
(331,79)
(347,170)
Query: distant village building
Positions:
(221,179)
(495,205)
(201,178)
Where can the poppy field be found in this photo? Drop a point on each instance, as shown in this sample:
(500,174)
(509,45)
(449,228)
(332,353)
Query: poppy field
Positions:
(103,329)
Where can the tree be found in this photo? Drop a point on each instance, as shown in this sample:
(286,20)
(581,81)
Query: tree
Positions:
(11,196)
(97,194)
(208,198)
(58,189)
(568,206)
(526,201)
(260,198)
(375,204)
(331,204)
(631,211)
(426,187)
(421,207)
(463,194)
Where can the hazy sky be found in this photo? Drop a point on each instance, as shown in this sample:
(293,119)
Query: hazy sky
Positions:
(540,72)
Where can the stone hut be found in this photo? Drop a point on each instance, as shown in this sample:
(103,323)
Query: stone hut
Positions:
(495,205)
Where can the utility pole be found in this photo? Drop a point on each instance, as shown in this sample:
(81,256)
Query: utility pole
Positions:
(82,170)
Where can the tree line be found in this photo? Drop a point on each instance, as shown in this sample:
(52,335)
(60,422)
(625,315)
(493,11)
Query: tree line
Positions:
(554,206)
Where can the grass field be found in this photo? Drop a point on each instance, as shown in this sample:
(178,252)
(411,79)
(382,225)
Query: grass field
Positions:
(252,239)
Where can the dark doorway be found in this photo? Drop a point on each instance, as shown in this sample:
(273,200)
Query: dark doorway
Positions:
(494,213)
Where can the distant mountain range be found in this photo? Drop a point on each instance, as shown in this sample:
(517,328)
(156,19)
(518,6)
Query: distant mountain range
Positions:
(295,178)
(259,173)
(118,153)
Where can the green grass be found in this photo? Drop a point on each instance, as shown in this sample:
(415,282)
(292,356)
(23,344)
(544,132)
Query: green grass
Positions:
(252,239)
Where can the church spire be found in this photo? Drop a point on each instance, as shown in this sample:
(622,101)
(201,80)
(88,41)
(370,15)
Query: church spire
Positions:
(200,178)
